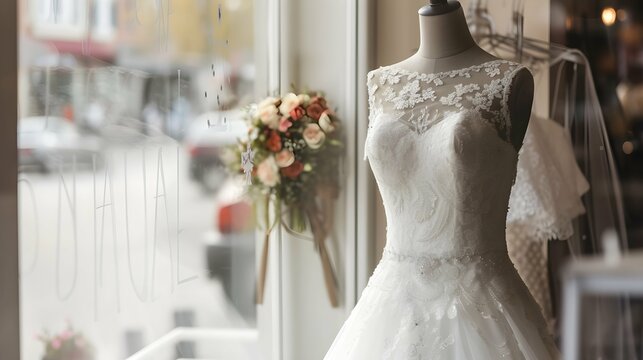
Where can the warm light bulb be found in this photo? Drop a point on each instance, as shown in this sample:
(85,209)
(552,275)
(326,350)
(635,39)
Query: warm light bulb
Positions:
(608,15)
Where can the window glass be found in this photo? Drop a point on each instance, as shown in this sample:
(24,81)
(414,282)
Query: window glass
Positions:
(133,235)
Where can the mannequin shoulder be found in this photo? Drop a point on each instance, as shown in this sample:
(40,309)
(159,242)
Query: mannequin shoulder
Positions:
(522,80)
(519,101)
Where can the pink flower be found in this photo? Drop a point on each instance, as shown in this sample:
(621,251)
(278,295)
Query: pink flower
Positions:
(285,158)
(284,124)
(66,334)
(268,172)
(314,136)
(56,343)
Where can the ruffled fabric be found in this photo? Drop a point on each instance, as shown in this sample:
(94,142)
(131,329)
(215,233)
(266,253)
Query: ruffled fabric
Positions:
(546,196)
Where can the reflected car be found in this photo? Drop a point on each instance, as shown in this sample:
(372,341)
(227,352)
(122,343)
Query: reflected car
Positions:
(206,138)
(48,143)
(230,247)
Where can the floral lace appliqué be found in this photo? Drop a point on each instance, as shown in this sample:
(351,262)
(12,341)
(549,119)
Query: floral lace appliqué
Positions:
(410,95)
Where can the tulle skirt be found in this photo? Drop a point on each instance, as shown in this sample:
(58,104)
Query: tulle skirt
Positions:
(467,307)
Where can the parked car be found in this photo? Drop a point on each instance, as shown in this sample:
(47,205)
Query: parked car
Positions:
(46,143)
(206,137)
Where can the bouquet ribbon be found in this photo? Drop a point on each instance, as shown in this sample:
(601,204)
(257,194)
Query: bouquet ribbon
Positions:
(320,218)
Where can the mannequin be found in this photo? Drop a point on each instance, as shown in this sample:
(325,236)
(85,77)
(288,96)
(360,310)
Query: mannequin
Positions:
(441,143)
(446,44)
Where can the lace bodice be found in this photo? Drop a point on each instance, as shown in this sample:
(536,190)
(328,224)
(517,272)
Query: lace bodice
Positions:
(439,148)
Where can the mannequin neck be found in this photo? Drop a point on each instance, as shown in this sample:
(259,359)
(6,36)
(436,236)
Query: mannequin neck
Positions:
(444,35)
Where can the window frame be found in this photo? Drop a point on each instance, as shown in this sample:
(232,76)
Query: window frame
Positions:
(9,264)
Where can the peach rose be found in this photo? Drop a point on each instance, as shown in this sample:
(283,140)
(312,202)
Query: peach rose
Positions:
(285,158)
(269,115)
(268,172)
(288,103)
(314,136)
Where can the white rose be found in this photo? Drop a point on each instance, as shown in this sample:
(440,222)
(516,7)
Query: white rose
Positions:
(314,136)
(285,158)
(267,101)
(269,115)
(326,123)
(268,172)
(288,103)
(304,99)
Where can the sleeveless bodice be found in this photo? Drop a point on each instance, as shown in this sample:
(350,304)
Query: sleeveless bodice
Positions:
(438,145)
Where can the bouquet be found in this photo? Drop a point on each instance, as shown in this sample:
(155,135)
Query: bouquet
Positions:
(291,160)
(67,345)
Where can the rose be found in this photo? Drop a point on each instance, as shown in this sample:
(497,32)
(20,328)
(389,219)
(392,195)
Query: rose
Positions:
(269,115)
(288,103)
(285,158)
(314,136)
(268,172)
(267,101)
(326,123)
(293,170)
(284,124)
(274,142)
(314,110)
(297,113)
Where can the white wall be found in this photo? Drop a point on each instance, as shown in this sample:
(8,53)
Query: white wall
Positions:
(316,44)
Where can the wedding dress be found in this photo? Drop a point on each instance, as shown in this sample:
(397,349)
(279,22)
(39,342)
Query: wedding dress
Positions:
(445,288)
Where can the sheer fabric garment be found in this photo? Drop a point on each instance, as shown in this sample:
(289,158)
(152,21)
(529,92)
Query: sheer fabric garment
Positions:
(544,201)
(439,148)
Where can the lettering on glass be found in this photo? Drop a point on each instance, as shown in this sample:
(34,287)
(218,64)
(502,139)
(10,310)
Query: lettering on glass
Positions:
(125,213)
(71,206)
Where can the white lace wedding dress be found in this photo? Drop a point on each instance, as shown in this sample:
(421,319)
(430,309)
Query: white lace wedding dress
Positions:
(445,288)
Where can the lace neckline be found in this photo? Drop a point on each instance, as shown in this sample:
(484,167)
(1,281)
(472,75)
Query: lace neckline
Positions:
(450,73)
